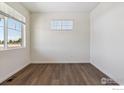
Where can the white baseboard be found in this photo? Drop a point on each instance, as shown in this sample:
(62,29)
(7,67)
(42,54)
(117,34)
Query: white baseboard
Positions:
(59,61)
(12,73)
(108,74)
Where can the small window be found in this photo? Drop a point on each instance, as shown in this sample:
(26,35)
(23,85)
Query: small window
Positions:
(62,25)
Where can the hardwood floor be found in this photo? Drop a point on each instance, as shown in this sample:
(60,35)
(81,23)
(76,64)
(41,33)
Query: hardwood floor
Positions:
(58,74)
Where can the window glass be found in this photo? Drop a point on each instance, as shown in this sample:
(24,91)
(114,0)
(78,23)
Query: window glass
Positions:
(56,25)
(70,23)
(67,25)
(1,33)
(14,33)
(62,25)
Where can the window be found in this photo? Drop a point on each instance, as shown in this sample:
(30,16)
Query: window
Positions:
(14,33)
(11,33)
(1,32)
(62,25)
(67,25)
(12,28)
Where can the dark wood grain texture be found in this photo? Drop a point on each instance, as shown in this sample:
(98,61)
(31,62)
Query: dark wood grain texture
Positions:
(58,74)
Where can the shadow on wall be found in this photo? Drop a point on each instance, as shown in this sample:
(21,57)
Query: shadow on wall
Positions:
(55,56)
(40,56)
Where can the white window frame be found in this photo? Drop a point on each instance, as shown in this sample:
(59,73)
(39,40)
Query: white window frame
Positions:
(62,25)
(23,34)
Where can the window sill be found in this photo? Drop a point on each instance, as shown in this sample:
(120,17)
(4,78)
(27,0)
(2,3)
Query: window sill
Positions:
(13,49)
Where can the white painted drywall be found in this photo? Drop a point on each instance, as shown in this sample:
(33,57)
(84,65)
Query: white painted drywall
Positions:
(48,7)
(60,46)
(107,39)
(12,61)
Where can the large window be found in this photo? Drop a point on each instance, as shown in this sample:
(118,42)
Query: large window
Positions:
(62,25)
(14,33)
(11,33)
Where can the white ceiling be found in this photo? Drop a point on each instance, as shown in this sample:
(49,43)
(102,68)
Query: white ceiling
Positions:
(59,6)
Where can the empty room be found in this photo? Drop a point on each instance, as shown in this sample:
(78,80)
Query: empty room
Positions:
(61,43)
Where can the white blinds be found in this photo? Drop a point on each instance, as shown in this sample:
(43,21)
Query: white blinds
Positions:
(4,8)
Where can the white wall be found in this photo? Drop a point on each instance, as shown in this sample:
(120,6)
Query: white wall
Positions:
(107,39)
(12,61)
(54,46)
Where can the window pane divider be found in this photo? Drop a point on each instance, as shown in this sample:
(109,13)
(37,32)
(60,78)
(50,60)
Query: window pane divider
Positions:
(14,29)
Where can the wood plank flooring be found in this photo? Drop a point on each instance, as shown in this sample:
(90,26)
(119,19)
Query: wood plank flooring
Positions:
(58,74)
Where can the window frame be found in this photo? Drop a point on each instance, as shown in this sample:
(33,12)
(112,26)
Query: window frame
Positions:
(62,25)
(23,34)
